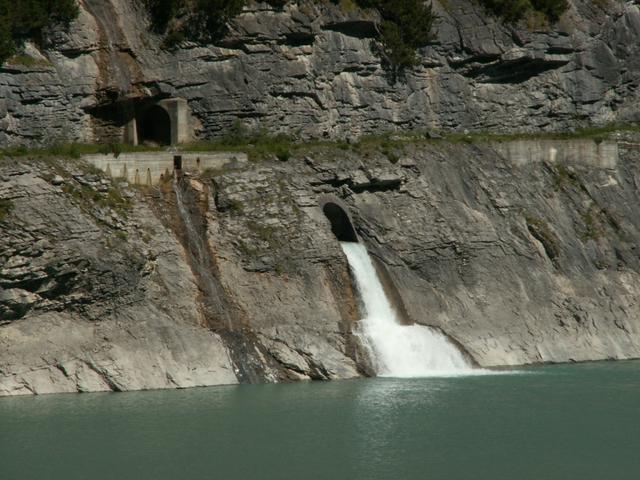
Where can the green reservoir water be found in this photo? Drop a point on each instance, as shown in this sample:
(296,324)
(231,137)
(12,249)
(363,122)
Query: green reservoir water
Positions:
(561,422)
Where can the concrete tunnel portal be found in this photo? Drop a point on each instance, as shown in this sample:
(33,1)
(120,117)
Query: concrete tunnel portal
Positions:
(149,120)
(154,126)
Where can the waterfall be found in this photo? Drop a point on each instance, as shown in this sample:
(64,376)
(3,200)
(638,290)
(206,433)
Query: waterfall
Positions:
(200,258)
(398,350)
(194,238)
(251,361)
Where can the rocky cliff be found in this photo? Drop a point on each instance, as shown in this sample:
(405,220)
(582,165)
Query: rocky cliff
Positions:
(235,275)
(310,70)
(521,252)
(107,288)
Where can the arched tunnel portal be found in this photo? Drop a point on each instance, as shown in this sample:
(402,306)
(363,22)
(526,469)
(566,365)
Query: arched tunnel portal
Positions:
(154,126)
(340,223)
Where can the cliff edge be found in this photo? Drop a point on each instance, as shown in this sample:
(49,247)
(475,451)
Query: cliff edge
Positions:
(311,70)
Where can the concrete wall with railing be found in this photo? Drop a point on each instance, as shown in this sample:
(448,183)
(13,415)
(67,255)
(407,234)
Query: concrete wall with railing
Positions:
(148,168)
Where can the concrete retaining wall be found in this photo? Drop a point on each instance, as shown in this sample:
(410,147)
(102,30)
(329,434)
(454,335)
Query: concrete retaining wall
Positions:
(597,154)
(148,168)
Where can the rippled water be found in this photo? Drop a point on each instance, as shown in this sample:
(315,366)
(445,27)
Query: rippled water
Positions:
(562,422)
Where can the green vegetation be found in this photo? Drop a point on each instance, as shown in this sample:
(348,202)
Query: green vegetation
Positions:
(260,145)
(236,207)
(211,17)
(593,222)
(201,20)
(597,134)
(27,19)
(87,196)
(265,233)
(162,12)
(406,24)
(266,238)
(564,178)
(390,151)
(540,230)
(74,150)
(515,10)
(27,61)
(5,208)
(269,240)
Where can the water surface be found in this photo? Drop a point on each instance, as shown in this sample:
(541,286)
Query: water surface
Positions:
(561,422)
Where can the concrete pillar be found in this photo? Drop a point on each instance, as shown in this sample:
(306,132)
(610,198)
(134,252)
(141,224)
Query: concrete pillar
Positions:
(131,132)
(178,110)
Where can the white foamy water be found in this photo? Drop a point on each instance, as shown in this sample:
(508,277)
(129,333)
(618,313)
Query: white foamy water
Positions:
(398,350)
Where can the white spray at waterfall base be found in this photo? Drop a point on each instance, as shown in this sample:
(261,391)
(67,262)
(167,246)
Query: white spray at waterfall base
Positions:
(398,350)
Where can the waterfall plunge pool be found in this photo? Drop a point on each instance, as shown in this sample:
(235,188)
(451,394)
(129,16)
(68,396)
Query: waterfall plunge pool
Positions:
(554,422)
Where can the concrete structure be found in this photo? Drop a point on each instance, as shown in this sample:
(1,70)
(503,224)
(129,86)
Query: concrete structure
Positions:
(148,168)
(164,122)
(579,151)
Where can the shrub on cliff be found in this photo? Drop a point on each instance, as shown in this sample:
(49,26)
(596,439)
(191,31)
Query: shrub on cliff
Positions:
(212,17)
(514,10)
(551,8)
(7,45)
(162,12)
(5,208)
(27,19)
(203,20)
(406,26)
(277,3)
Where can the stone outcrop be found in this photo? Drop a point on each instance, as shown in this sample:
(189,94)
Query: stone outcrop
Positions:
(521,252)
(310,70)
(520,261)
(99,291)
(84,286)
(237,276)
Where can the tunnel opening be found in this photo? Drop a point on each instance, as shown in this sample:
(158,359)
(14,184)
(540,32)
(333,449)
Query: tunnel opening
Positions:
(340,223)
(154,126)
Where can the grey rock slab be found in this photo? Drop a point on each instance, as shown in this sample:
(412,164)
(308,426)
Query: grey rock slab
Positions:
(316,74)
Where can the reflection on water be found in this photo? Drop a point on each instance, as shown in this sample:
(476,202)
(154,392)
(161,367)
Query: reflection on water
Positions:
(380,409)
(560,422)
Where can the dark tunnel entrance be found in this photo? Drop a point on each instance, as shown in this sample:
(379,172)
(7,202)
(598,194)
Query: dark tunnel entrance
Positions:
(154,126)
(340,223)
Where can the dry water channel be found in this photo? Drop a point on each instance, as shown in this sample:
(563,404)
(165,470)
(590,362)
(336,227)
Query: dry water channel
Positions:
(555,422)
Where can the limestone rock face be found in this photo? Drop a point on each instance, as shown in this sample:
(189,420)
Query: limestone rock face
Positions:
(519,262)
(100,288)
(310,70)
(522,253)
(94,297)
